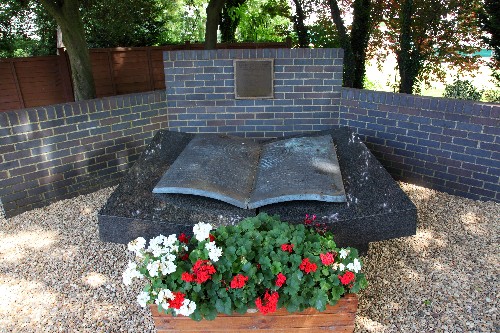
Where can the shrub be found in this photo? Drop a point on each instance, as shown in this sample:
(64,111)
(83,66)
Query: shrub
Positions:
(491,96)
(462,89)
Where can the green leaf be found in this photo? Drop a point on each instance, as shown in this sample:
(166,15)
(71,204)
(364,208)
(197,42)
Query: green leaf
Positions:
(223,305)
(196,315)
(276,267)
(246,267)
(325,285)
(219,305)
(265,262)
(320,300)
(227,306)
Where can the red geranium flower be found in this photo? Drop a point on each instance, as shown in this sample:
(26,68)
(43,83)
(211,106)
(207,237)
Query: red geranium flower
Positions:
(280,279)
(176,303)
(307,266)
(187,277)
(287,247)
(239,281)
(183,238)
(347,278)
(268,303)
(327,258)
(212,237)
(203,271)
(309,219)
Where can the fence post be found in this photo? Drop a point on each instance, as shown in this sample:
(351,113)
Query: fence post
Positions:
(65,73)
(111,71)
(16,82)
(150,68)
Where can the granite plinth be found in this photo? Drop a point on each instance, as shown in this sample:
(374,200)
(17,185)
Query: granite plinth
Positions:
(133,210)
(376,208)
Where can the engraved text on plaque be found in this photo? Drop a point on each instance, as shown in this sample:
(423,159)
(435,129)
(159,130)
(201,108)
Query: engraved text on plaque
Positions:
(253,78)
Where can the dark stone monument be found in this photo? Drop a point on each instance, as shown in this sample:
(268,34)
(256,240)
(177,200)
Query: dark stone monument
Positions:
(253,78)
(376,207)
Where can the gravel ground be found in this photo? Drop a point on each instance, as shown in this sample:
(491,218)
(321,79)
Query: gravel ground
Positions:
(56,276)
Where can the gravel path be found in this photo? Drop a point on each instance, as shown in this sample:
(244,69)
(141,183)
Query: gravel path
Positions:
(56,276)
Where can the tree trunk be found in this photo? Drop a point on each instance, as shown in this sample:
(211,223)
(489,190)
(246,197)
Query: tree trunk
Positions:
(299,26)
(408,55)
(214,9)
(67,15)
(345,42)
(360,34)
(229,22)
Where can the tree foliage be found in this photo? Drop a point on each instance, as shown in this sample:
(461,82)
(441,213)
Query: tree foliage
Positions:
(185,21)
(425,33)
(26,29)
(230,19)
(115,23)
(264,21)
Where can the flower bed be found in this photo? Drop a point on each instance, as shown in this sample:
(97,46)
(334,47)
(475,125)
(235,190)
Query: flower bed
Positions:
(260,263)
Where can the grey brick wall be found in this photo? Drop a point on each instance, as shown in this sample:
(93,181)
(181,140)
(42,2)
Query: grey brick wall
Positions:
(60,151)
(55,152)
(450,145)
(200,92)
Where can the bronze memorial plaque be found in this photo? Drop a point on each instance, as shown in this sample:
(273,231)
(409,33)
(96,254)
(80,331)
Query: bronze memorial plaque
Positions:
(253,78)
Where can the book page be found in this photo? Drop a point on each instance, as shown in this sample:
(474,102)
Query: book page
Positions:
(302,168)
(215,166)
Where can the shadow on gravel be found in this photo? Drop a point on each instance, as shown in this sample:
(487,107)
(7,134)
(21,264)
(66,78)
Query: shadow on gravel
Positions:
(442,279)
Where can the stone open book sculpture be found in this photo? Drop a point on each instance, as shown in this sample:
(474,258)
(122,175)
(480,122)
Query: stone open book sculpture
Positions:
(249,175)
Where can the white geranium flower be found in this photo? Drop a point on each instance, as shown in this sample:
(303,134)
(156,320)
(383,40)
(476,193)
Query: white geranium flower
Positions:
(169,257)
(155,246)
(130,273)
(137,245)
(143,298)
(167,267)
(214,252)
(163,297)
(169,242)
(187,308)
(201,231)
(153,267)
(344,253)
(341,267)
(354,266)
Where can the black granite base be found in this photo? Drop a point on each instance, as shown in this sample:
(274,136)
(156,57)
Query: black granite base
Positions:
(376,207)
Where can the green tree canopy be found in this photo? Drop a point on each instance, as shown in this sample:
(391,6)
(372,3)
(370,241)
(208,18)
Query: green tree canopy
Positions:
(425,33)
(115,23)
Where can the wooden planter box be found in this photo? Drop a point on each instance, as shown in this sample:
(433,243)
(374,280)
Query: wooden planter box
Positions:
(337,318)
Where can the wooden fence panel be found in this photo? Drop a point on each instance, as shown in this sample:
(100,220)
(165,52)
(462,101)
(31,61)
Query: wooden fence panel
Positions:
(131,71)
(10,95)
(103,74)
(33,81)
(38,81)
